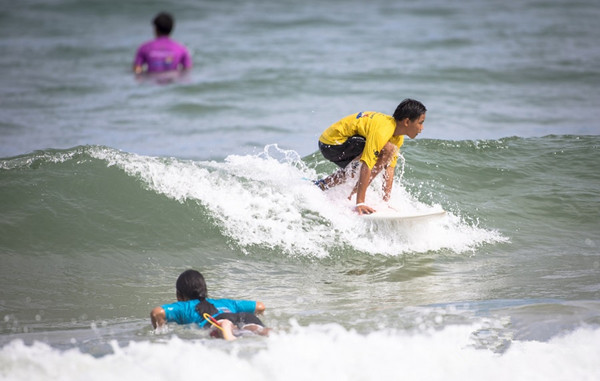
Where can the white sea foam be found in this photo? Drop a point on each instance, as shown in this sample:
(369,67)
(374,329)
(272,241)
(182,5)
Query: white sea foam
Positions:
(317,353)
(264,201)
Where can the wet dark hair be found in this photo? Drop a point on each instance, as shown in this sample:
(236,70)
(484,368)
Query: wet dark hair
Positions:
(163,23)
(409,108)
(191,285)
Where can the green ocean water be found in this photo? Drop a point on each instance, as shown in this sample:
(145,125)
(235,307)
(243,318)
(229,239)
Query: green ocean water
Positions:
(100,233)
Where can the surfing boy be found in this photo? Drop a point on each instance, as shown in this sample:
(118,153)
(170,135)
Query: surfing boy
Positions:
(227,316)
(162,54)
(370,140)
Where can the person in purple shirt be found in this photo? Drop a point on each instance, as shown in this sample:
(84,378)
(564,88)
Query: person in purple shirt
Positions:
(162,54)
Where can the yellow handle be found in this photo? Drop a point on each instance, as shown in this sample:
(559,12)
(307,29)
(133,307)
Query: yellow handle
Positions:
(212,321)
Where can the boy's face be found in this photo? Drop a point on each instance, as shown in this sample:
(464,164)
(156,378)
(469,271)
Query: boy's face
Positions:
(415,127)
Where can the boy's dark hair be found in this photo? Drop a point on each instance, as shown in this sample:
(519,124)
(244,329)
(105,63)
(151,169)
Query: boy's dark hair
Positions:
(409,108)
(163,23)
(191,285)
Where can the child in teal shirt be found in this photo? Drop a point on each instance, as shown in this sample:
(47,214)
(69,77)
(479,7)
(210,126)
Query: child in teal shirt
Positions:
(192,306)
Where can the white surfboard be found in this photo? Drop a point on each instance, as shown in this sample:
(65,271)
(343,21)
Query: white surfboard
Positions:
(393,215)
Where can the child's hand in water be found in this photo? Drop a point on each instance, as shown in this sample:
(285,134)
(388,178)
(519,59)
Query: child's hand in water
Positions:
(161,329)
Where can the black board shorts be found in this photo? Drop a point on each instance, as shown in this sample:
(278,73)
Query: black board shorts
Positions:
(343,154)
(240,319)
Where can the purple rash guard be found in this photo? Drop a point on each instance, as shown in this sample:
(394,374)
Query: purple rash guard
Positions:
(163,54)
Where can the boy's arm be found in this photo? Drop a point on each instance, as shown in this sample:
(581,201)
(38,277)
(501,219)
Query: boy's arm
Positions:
(364,179)
(138,61)
(260,308)
(159,317)
(366,176)
(187,61)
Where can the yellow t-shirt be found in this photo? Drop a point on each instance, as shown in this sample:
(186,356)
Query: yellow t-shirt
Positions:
(375,127)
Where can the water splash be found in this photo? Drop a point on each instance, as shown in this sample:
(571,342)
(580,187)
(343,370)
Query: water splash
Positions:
(263,202)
